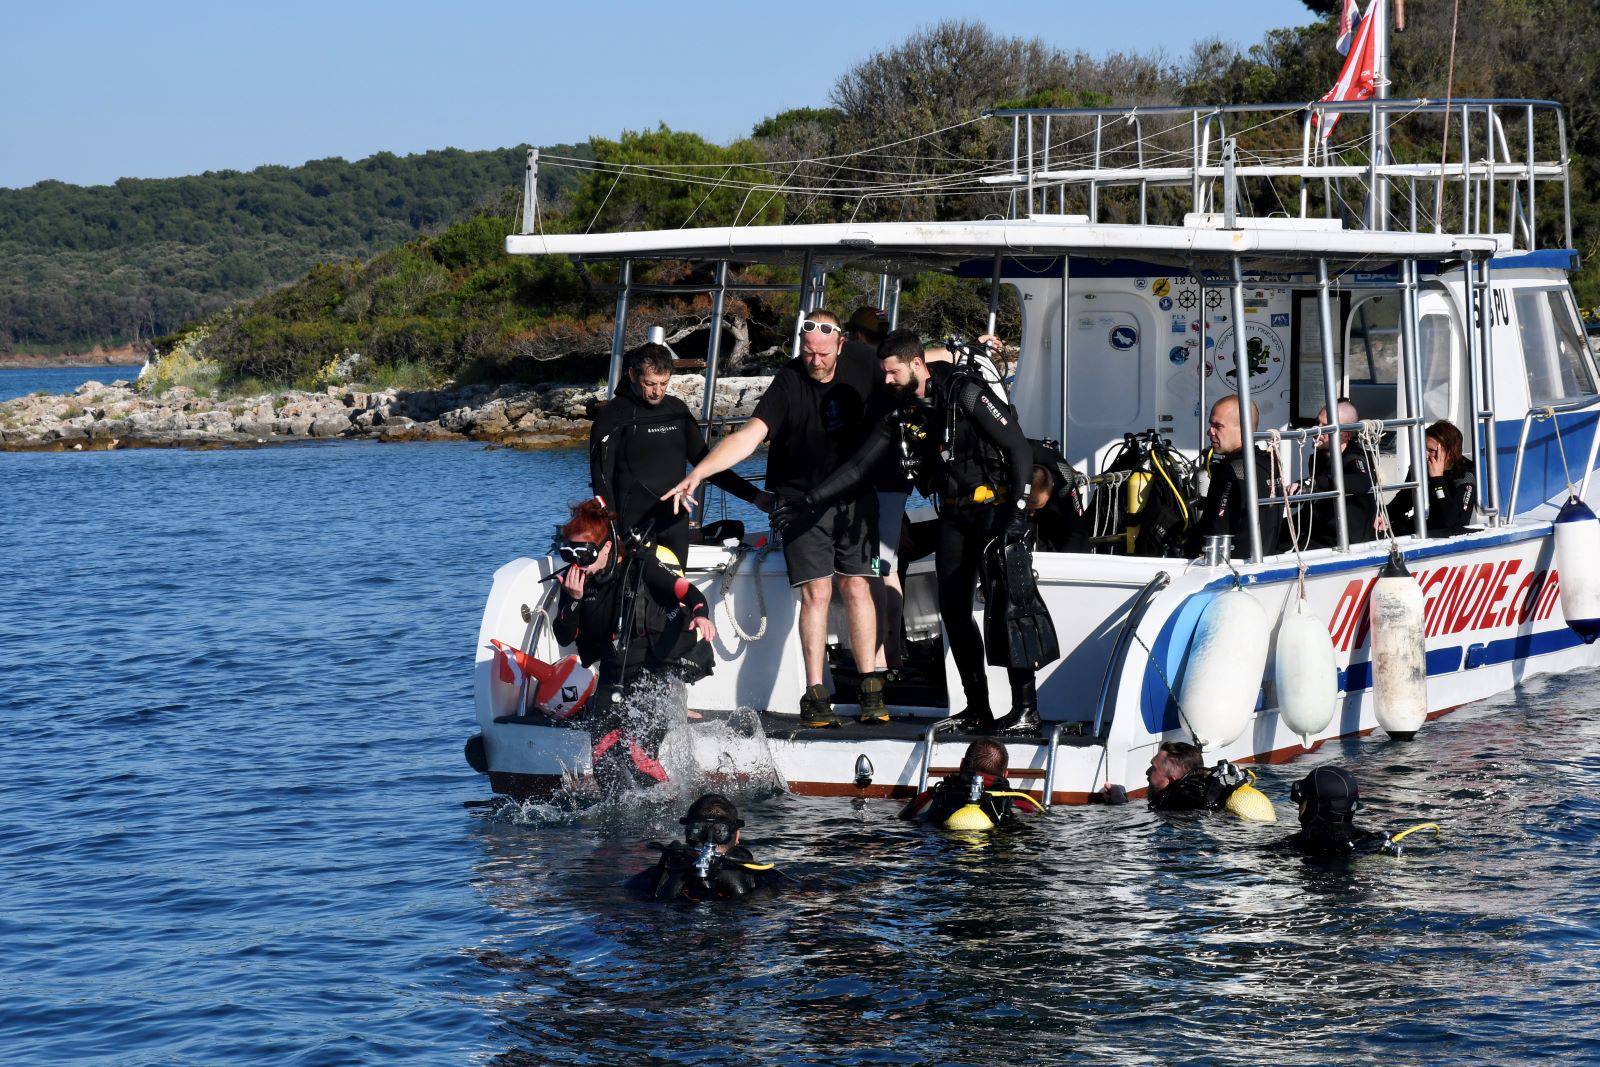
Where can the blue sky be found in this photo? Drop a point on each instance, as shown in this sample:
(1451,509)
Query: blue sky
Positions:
(101,90)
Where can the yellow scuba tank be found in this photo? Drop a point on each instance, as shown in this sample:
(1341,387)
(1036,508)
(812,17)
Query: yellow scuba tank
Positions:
(1244,799)
(1135,495)
(969,817)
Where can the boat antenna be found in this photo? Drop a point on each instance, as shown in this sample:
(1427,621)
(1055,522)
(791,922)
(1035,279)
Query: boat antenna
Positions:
(1449,90)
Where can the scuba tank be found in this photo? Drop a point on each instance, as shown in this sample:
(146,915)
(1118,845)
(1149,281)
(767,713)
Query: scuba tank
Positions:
(971,816)
(1143,497)
(976,471)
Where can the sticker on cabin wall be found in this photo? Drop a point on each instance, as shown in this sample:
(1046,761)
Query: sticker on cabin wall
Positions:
(1188,298)
(1213,298)
(1264,349)
(1280,320)
(1162,287)
(1178,356)
(1180,324)
(1255,304)
(1165,303)
(1140,283)
(1123,338)
(1085,324)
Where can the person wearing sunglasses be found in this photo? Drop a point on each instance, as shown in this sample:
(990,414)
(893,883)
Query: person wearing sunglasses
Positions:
(639,445)
(649,630)
(709,863)
(813,418)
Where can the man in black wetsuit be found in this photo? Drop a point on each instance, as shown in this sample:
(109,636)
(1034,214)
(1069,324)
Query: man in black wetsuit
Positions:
(1360,507)
(813,417)
(638,446)
(981,480)
(1224,503)
(1328,800)
(1053,503)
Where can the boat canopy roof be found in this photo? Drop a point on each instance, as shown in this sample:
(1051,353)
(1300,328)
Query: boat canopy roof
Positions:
(869,245)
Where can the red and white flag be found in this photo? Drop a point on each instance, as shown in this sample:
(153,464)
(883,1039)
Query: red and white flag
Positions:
(1358,78)
(1348,16)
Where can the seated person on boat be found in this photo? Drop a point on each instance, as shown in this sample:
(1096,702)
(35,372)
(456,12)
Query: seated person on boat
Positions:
(709,863)
(1053,502)
(813,418)
(1222,507)
(1360,506)
(1451,487)
(640,442)
(977,797)
(964,448)
(648,629)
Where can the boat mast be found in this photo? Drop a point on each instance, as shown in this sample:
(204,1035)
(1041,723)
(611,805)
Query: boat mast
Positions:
(1379,9)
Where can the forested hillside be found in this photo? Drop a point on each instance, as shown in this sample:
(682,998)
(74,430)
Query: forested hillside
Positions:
(108,264)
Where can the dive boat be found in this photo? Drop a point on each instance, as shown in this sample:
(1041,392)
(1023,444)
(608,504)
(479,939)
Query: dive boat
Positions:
(1421,289)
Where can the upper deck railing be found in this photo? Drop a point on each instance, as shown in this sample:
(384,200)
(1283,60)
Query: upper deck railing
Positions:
(1422,166)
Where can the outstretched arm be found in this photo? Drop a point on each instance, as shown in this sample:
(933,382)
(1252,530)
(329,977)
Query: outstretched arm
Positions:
(855,470)
(730,452)
(694,445)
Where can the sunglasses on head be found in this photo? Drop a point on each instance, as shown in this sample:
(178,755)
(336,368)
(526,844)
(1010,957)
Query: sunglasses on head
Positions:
(715,831)
(824,328)
(580,553)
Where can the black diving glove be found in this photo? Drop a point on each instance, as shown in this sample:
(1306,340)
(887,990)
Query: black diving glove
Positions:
(1016,527)
(792,505)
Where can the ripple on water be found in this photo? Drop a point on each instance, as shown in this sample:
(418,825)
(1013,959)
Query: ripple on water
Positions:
(234,828)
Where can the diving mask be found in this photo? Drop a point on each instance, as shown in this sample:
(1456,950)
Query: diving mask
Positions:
(711,831)
(578,553)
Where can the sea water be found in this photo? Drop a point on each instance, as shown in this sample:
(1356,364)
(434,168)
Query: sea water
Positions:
(236,827)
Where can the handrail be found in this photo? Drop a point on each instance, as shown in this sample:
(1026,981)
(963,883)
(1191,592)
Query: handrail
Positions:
(1119,651)
(1054,743)
(949,722)
(1540,413)
(1416,104)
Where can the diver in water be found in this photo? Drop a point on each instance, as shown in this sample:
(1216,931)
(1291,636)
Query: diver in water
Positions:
(960,443)
(977,797)
(709,863)
(1180,781)
(647,628)
(1328,800)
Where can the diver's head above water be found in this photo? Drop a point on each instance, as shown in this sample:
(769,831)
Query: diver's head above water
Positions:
(986,756)
(713,820)
(1173,761)
(1328,795)
(905,369)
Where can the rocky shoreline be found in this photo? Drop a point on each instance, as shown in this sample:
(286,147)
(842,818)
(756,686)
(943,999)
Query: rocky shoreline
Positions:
(118,415)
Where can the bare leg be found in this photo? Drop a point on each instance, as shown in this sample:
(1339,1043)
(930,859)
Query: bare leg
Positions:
(862,618)
(890,600)
(814,599)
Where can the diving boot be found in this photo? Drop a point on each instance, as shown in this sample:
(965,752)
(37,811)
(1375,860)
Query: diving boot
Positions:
(816,710)
(873,709)
(1024,716)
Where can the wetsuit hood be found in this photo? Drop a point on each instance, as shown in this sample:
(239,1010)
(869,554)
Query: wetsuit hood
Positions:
(1328,795)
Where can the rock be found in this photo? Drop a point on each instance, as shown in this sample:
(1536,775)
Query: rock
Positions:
(330,426)
(458,420)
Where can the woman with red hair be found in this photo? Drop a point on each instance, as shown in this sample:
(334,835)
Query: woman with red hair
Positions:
(649,630)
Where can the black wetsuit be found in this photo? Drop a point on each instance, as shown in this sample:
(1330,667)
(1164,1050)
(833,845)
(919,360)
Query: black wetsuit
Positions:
(954,792)
(637,452)
(988,450)
(1333,840)
(1199,790)
(626,739)
(729,876)
(1451,497)
(1360,508)
(1223,509)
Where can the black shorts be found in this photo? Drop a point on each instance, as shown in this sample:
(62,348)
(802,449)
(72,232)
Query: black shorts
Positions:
(837,538)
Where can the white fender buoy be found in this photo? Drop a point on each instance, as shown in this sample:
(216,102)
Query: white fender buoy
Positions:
(1304,672)
(1227,659)
(1578,566)
(1399,651)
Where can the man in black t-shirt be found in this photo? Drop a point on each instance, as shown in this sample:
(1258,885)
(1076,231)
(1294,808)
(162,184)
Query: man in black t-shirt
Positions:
(813,418)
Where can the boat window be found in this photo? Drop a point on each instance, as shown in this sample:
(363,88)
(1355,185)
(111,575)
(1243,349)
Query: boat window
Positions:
(1435,345)
(1552,347)
(1372,357)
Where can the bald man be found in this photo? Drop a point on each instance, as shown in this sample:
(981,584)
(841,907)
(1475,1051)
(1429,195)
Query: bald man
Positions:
(1223,509)
(1360,508)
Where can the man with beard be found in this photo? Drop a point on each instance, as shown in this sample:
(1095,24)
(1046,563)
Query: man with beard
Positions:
(965,448)
(813,418)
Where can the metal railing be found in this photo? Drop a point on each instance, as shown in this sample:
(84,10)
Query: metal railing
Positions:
(1487,178)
